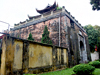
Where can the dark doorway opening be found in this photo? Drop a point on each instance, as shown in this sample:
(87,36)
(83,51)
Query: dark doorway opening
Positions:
(81,51)
(81,45)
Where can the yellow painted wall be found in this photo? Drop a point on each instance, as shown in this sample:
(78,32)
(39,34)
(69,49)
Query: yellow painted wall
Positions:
(65,58)
(3,59)
(59,55)
(10,52)
(7,56)
(18,54)
(10,49)
(39,55)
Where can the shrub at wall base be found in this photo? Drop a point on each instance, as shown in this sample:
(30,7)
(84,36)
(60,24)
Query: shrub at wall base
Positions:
(96,64)
(83,69)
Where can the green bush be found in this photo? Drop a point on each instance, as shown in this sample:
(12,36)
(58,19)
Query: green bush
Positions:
(96,64)
(83,69)
(98,60)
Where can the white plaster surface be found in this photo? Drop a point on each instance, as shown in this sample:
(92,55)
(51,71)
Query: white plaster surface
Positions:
(94,56)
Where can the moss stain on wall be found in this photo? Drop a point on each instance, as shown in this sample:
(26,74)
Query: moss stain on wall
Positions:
(39,55)
(18,55)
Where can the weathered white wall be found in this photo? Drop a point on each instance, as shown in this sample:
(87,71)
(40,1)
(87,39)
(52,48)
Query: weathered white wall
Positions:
(94,56)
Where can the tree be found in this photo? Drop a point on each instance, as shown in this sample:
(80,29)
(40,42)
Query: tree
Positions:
(96,27)
(45,36)
(30,37)
(95,4)
(92,36)
(58,8)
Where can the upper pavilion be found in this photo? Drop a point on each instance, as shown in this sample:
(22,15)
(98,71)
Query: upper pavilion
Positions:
(49,12)
(48,8)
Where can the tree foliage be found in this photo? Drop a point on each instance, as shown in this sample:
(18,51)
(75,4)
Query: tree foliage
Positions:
(97,28)
(95,4)
(93,36)
(58,8)
(30,37)
(45,36)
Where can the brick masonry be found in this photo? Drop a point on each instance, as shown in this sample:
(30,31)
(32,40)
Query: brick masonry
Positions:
(37,31)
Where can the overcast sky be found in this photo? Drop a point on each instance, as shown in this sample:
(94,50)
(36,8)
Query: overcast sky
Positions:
(14,11)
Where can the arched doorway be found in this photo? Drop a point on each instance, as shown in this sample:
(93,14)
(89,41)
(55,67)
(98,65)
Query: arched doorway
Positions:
(81,45)
(81,51)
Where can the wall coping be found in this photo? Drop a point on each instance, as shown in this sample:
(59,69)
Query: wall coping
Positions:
(25,40)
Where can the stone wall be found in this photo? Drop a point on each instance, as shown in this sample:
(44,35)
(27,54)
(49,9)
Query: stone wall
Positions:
(37,31)
(71,34)
(52,21)
(75,35)
(22,56)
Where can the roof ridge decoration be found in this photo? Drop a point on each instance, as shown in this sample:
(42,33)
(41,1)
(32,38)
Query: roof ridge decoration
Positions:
(39,18)
(48,8)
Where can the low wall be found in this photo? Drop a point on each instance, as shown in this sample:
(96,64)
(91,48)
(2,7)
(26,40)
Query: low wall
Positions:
(22,56)
(94,56)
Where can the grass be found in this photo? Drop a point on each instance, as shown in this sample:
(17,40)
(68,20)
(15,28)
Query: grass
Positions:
(96,71)
(68,71)
(29,74)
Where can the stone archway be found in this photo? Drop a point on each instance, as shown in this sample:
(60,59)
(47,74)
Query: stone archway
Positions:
(81,45)
(81,51)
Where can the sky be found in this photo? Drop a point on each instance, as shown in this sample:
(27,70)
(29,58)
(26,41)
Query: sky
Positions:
(14,11)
